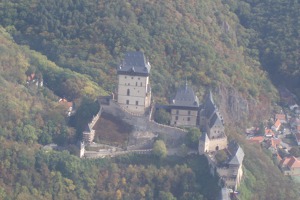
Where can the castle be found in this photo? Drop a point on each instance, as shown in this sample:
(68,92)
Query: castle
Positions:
(134,96)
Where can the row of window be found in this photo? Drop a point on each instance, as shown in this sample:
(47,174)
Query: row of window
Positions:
(132,77)
(177,112)
(136,84)
(188,119)
(136,102)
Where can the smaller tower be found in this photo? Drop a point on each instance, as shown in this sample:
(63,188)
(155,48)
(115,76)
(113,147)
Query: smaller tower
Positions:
(82,149)
(185,107)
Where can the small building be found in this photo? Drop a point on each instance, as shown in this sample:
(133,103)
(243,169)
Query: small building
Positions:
(256,139)
(281,118)
(269,133)
(273,144)
(69,106)
(134,91)
(276,126)
(290,166)
(185,107)
(231,172)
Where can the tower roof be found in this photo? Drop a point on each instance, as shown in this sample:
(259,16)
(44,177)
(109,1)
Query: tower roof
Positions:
(209,105)
(236,152)
(134,63)
(216,120)
(186,97)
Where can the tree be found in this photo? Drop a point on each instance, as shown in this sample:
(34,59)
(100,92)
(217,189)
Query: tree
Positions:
(162,116)
(160,149)
(192,138)
(166,196)
(221,156)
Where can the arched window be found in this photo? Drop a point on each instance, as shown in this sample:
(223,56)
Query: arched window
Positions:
(128,92)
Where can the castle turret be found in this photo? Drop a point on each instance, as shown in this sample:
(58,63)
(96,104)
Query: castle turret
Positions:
(185,107)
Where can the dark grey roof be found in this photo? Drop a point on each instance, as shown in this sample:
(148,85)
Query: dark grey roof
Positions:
(204,137)
(185,96)
(237,153)
(216,120)
(209,105)
(135,63)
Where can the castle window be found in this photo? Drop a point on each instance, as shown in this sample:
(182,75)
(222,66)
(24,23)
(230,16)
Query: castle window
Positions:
(138,78)
(189,112)
(176,118)
(125,77)
(141,84)
(127,102)
(189,119)
(137,103)
(135,83)
(128,92)
(177,112)
(132,77)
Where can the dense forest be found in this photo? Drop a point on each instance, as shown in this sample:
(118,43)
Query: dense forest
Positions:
(76,46)
(273,32)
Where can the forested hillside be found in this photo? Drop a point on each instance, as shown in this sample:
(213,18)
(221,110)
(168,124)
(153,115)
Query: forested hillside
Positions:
(31,117)
(85,41)
(273,32)
(193,39)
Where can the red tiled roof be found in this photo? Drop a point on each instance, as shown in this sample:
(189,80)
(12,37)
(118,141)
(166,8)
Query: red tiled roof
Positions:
(66,103)
(290,162)
(280,117)
(293,163)
(277,124)
(269,132)
(275,142)
(257,139)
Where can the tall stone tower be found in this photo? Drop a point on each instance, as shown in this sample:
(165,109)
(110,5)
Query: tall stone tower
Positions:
(134,91)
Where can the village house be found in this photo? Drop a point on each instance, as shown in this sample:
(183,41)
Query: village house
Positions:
(212,126)
(276,126)
(69,106)
(281,118)
(134,91)
(269,133)
(185,107)
(34,79)
(256,139)
(290,166)
(273,144)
